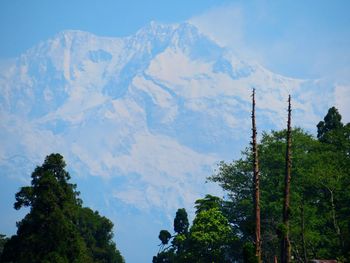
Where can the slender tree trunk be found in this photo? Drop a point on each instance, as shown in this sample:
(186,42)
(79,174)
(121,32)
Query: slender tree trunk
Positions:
(286,246)
(335,223)
(256,179)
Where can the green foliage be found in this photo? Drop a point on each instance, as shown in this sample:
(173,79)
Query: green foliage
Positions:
(181,221)
(249,253)
(167,256)
(331,122)
(320,191)
(164,236)
(3,240)
(209,239)
(210,236)
(281,230)
(175,252)
(96,231)
(207,203)
(57,228)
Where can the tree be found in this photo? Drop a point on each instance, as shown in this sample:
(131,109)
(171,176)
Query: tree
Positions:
(210,238)
(256,183)
(176,251)
(331,122)
(164,236)
(181,223)
(3,240)
(96,230)
(207,203)
(286,246)
(335,138)
(55,229)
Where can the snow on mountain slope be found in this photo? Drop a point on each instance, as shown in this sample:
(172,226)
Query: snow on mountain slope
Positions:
(151,113)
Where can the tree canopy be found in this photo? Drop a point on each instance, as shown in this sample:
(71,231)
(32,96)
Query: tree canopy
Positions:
(58,228)
(209,239)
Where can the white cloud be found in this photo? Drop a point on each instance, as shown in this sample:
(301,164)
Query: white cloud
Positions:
(227,26)
(133,196)
(223,24)
(342,101)
(290,43)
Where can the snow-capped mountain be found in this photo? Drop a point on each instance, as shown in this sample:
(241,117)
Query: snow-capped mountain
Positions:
(151,113)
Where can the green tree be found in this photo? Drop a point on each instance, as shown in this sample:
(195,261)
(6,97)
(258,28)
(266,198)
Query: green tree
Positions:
(207,203)
(164,236)
(3,240)
(331,122)
(210,238)
(55,229)
(96,230)
(335,138)
(175,250)
(181,223)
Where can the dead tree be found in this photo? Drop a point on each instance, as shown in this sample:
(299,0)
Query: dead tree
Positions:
(256,183)
(285,245)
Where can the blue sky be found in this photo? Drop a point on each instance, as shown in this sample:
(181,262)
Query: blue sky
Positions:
(24,23)
(305,39)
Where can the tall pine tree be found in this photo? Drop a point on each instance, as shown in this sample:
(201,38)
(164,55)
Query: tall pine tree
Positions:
(57,228)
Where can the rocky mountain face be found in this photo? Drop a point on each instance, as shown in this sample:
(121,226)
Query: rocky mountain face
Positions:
(144,118)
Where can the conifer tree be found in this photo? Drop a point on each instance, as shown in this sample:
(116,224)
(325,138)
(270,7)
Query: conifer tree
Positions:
(57,228)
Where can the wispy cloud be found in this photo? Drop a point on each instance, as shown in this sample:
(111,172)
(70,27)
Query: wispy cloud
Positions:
(294,39)
(342,101)
(224,24)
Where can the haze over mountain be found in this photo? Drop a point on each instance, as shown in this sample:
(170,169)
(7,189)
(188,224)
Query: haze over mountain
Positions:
(145,118)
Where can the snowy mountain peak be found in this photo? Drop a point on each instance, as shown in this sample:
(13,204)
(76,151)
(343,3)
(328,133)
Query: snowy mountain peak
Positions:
(158,29)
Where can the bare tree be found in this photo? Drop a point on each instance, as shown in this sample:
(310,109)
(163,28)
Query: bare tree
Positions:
(256,182)
(286,246)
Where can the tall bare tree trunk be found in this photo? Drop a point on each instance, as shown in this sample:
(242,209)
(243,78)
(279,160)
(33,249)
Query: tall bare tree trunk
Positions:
(256,179)
(286,246)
